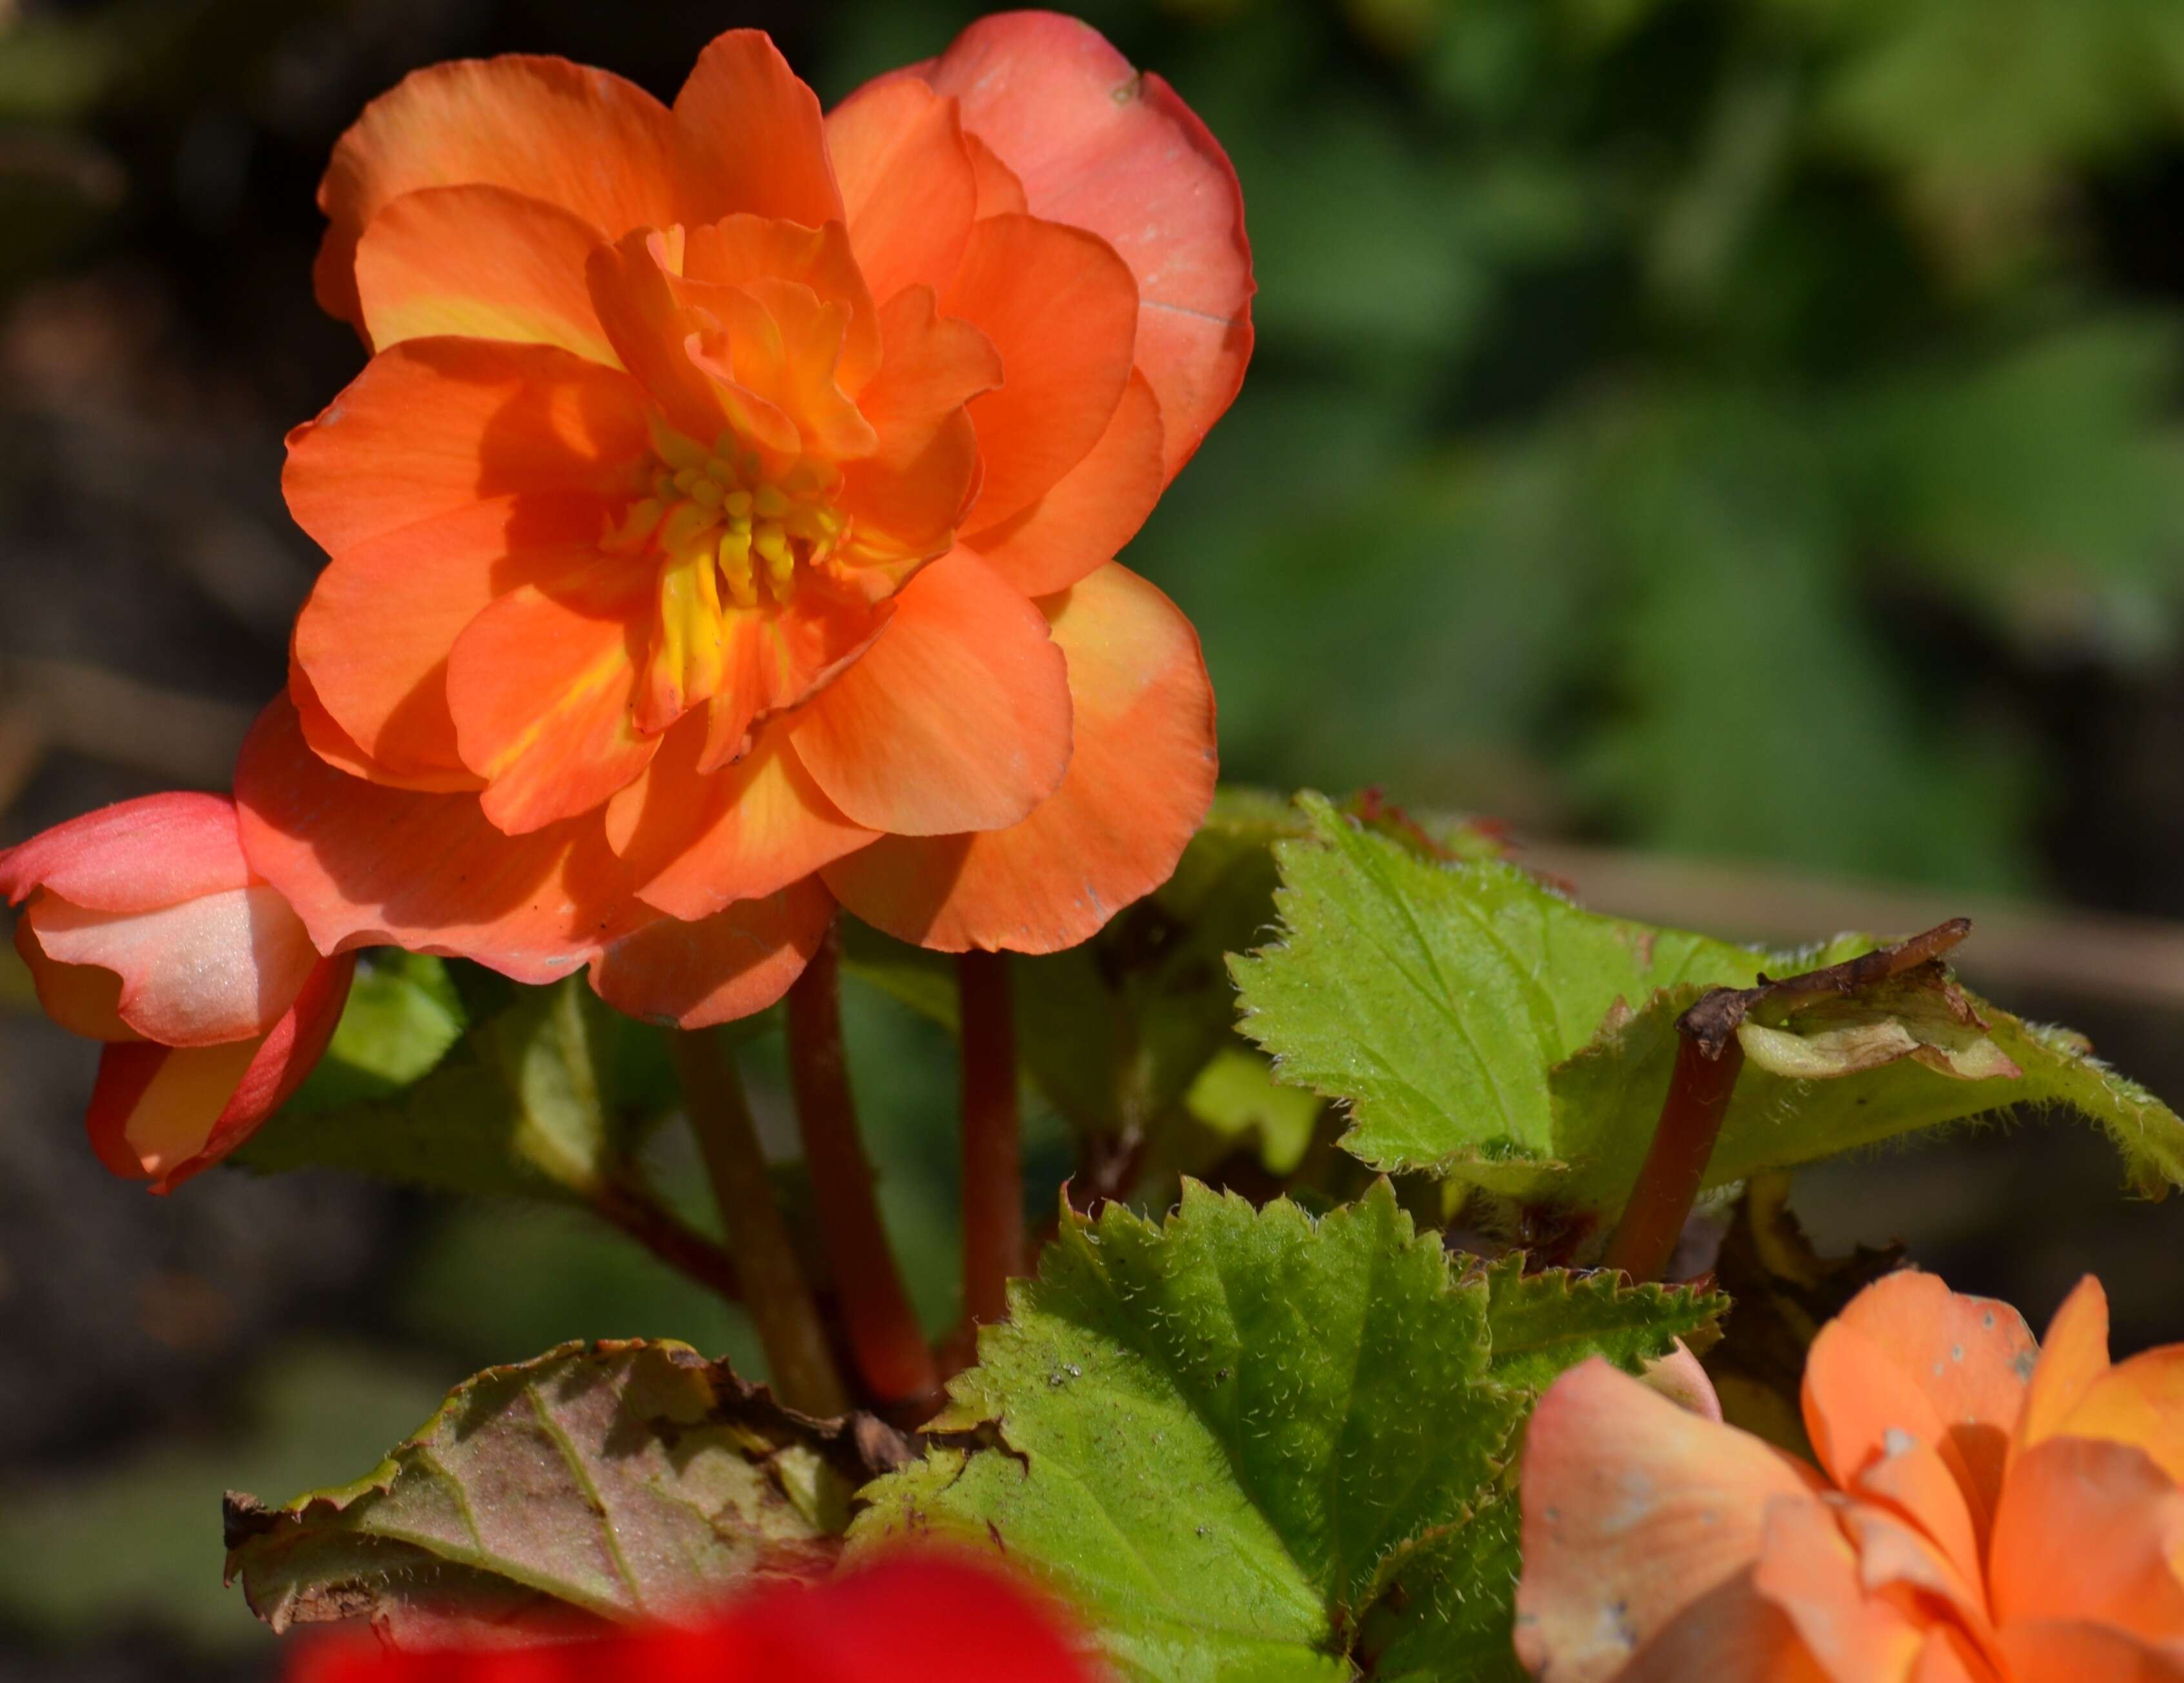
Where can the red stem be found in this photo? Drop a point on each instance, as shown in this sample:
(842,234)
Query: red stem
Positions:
(993,1137)
(1674,1168)
(883,1335)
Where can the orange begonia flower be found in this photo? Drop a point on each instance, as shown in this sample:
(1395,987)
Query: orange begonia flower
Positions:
(722,526)
(146,928)
(1985,1512)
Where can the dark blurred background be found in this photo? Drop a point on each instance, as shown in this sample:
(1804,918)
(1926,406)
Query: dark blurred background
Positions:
(1732,431)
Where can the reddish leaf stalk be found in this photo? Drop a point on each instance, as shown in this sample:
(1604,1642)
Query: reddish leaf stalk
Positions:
(993,1137)
(1669,1179)
(891,1353)
(634,1213)
(775,1292)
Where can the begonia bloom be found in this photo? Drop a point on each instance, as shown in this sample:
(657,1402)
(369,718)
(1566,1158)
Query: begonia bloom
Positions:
(728,508)
(146,928)
(901,1621)
(1985,1511)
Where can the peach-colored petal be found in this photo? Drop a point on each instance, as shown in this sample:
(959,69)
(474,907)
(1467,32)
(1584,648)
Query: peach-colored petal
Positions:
(1102,147)
(2074,1355)
(737,251)
(695,841)
(1731,1631)
(956,718)
(479,262)
(909,186)
(133,856)
(2093,1531)
(1948,1657)
(1062,310)
(750,136)
(1140,778)
(1091,511)
(1808,1570)
(1897,1556)
(82,998)
(1617,1547)
(2139,1401)
(2064,1652)
(433,425)
(367,866)
(540,686)
(591,144)
(735,962)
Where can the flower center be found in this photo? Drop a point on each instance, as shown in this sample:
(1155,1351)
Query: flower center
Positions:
(718,508)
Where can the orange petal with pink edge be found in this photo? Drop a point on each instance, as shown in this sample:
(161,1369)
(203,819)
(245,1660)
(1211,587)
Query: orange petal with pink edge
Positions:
(1099,146)
(1634,1512)
(717,968)
(956,718)
(1061,309)
(738,250)
(2068,1653)
(373,639)
(751,137)
(905,498)
(591,144)
(541,686)
(2072,1356)
(434,426)
(2089,1531)
(162,1113)
(909,187)
(1140,778)
(134,855)
(1088,514)
(483,263)
(1808,1570)
(363,865)
(697,840)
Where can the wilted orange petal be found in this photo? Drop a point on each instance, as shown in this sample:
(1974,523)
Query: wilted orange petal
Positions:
(1062,310)
(2075,1354)
(374,637)
(750,136)
(1809,1570)
(738,250)
(481,262)
(436,425)
(956,718)
(1617,1545)
(1141,775)
(1091,512)
(908,184)
(596,146)
(697,840)
(1099,146)
(738,961)
(541,685)
(2088,1530)
(2059,1652)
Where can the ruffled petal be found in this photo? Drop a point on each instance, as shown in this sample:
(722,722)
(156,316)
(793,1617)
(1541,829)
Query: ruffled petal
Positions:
(2089,1531)
(2067,1652)
(1091,511)
(1808,1570)
(367,866)
(598,147)
(750,136)
(2072,1356)
(717,968)
(957,718)
(2140,1402)
(653,331)
(1099,146)
(434,426)
(479,262)
(1140,778)
(909,187)
(737,251)
(1061,309)
(774,659)
(134,855)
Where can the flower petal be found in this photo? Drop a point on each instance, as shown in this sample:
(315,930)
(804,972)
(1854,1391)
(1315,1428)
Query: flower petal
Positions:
(2072,1356)
(433,425)
(653,331)
(1140,778)
(541,686)
(909,186)
(1810,1571)
(1102,147)
(774,659)
(2067,1652)
(2139,1401)
(1088,515)
(1634,1510)
(80,998)
(1061,308)
(2089,1531)
(738,250)
(134,855)
(956,718)
(483,263)
(367,866)
(696,840)
(750,136)
(735,962)
(591,143)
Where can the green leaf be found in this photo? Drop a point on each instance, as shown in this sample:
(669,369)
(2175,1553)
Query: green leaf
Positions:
(1224,1436)
(402,1015)
(1433,997)
(1237,1098)
(1543,1323)
(602,1482)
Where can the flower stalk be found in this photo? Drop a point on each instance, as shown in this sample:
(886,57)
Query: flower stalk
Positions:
(993,1137)
(1668,1181)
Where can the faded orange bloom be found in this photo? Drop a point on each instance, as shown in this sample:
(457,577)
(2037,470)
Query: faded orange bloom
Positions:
(1986,1511)
(723,526)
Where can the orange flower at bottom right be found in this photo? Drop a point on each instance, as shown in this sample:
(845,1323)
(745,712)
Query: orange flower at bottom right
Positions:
(1986,1511)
